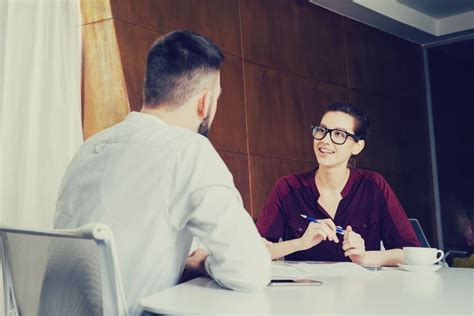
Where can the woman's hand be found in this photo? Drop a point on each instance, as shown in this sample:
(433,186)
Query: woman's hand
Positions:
(353,246)
(317,232)
(266,242)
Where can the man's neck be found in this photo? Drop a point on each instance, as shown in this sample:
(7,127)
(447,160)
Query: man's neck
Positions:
(171,116)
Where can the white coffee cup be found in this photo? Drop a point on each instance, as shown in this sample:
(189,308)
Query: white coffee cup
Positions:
(419,256)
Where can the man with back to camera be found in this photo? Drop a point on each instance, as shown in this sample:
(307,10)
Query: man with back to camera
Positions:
(157,182)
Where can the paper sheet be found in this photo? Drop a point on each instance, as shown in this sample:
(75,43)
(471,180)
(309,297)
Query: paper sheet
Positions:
(282,270)
(303,269)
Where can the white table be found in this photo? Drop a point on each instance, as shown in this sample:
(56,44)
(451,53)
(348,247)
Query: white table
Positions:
(449,291)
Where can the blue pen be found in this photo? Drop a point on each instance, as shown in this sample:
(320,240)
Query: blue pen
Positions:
(339,229)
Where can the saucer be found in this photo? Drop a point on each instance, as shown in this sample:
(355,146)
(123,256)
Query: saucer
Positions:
(412,268)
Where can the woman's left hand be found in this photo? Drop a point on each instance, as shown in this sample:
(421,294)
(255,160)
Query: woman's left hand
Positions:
(353,246)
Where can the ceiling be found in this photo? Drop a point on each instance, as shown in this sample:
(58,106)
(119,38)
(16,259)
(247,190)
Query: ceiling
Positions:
(439,9)
(426,22)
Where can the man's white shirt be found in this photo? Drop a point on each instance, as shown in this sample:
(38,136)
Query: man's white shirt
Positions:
(157,186)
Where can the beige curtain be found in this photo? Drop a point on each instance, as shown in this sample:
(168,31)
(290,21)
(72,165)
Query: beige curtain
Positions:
(40,105)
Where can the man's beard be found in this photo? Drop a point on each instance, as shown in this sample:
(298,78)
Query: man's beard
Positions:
(204,127)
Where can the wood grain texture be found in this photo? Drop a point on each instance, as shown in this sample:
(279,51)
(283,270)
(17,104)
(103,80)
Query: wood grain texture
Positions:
(281,110)
(229,129)
(382,64)
(216,19)
(105,100)
(238,165)
(294,36)
(95,10)
(398,134)
(134,42)
(289,61)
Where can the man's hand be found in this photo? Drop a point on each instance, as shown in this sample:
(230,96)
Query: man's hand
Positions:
(353,246)
(317,232)
(195,261)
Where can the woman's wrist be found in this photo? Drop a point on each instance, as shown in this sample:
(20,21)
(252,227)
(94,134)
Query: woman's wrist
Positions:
(298,245)
(382,257)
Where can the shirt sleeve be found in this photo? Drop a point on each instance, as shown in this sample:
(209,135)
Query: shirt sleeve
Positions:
(271,220)
(397,231)
(213,211)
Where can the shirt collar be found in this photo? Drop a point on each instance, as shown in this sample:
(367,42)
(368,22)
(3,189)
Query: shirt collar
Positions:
(347,187)
(140,117)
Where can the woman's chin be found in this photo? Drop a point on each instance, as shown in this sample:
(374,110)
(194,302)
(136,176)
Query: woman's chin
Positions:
(329,163)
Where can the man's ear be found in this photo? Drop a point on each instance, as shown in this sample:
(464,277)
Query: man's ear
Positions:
(358,147)
(203,104)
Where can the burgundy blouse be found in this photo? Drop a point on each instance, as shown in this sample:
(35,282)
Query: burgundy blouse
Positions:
(368,204)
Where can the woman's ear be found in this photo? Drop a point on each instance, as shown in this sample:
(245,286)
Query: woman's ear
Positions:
(358,147)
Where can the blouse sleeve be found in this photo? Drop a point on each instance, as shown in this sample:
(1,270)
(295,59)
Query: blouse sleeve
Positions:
(397,231)
(271,220)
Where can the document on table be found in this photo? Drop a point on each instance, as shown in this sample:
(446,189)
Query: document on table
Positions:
(293,270)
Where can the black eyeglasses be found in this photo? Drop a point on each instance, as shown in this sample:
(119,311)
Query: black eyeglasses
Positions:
(337,136)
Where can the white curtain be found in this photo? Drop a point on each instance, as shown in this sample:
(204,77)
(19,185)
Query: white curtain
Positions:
(40,105)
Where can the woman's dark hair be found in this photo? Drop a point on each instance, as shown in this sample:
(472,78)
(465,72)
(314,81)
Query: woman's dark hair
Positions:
(177,64)
(361,122)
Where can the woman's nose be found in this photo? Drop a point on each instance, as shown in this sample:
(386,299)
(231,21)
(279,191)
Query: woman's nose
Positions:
(327,137)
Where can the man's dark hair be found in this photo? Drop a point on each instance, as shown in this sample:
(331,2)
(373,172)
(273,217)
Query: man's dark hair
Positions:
(361,126)
(177,65)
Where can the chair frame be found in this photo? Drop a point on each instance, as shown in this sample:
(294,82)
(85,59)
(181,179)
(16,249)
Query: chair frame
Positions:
(424,242)
(113,297)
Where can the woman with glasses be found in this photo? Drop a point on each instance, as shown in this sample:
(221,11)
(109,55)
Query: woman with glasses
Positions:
(335,212)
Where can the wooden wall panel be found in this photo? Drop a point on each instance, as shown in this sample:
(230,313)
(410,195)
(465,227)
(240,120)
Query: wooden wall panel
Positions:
(381,151)
(239,167)
(294,36)
(291,60)
(134,42)
(397,134)
(382,64)
(217,19)
(265,172)
(229,128)
(105,100)
(281,109)
(95,10)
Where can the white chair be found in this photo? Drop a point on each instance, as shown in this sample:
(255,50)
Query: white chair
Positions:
(78,276)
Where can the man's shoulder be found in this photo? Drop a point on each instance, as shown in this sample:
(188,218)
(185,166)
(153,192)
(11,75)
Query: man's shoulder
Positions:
(194,142)
(100,135)
(148,134)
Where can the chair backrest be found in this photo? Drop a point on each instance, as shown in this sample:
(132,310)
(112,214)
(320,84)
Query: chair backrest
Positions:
(419,232)
(75,272)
